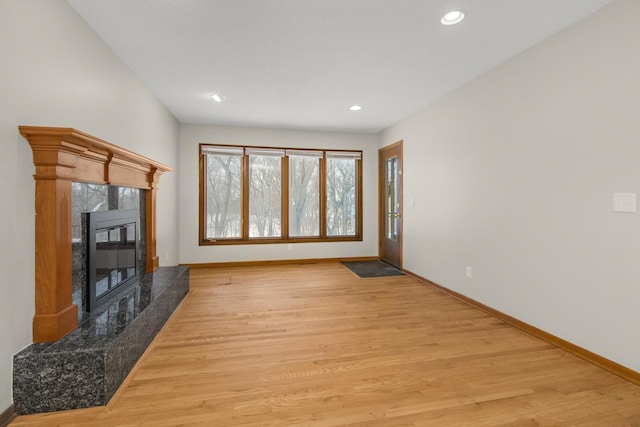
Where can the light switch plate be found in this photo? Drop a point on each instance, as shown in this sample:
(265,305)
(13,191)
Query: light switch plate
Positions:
(624,202)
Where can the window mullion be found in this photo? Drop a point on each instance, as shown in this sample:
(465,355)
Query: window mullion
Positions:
(245,197)
(202,190)
(285,198)
(359,191)
(323,197)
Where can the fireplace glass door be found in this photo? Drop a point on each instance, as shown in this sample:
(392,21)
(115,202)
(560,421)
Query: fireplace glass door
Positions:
(113,239)
(115,257)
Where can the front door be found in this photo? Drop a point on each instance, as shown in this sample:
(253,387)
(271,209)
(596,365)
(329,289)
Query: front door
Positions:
(390,196)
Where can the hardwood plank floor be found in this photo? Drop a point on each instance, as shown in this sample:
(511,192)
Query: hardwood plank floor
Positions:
(313,345)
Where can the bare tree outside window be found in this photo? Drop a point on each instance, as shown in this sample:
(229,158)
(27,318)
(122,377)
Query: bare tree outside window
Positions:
(224,196)
(304,196)
(88,197)
(273,195)
(265,199)
(341,196)
(128,198)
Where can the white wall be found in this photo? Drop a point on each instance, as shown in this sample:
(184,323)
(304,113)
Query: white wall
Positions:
(192,135)
(56,72)
(514,175)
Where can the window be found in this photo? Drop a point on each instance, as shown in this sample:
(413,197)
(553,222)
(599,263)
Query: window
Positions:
(223,188)
(275,195)
(265,193)
(304,193)
(341,193)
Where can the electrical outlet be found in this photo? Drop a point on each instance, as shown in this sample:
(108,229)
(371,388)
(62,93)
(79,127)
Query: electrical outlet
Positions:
(469,273)
(290,247)
(624,202)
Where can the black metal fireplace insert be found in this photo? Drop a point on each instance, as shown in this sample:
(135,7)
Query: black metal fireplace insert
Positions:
(113,256)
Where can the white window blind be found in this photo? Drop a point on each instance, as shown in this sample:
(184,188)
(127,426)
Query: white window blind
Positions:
(222,150)
(344,155)
(274,152)
(305,153)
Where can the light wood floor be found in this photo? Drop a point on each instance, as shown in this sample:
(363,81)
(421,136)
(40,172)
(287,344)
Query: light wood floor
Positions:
(313,345)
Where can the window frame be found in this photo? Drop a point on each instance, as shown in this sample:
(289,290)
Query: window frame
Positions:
(221,149)
(251,151)
(284,194)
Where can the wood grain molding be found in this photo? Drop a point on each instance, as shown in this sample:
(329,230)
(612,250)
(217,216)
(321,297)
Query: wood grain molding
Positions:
(7,416)
(153,260)
(278,262)
(593,358)
(62,156)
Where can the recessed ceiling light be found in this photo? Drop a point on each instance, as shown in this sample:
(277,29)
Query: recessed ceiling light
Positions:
(218,97)
(452,17)
(355,108)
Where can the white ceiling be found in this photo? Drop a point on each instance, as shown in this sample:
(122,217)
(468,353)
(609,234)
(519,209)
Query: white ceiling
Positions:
(302,63)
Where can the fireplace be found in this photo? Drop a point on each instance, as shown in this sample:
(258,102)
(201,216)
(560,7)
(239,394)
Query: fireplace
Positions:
(62,156)
(80,358)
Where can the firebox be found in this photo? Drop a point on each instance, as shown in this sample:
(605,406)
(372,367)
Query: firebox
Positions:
(112,254)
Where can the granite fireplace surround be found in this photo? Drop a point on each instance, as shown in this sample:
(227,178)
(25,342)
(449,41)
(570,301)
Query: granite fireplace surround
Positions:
(80,358)
(86,367)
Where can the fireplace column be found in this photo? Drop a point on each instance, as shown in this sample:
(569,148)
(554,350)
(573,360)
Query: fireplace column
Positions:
(153,261)
(56,314)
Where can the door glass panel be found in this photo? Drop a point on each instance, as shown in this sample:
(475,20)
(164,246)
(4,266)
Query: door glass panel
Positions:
(391,203)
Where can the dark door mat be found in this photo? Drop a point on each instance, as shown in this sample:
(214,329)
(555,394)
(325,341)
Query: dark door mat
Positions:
(372,269)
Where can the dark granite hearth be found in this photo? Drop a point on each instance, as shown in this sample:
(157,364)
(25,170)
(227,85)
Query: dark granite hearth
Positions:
(86,367)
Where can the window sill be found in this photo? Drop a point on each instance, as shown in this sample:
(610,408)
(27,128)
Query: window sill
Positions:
(258,241)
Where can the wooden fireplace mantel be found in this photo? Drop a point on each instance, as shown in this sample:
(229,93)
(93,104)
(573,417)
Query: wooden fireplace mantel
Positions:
(62,156)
